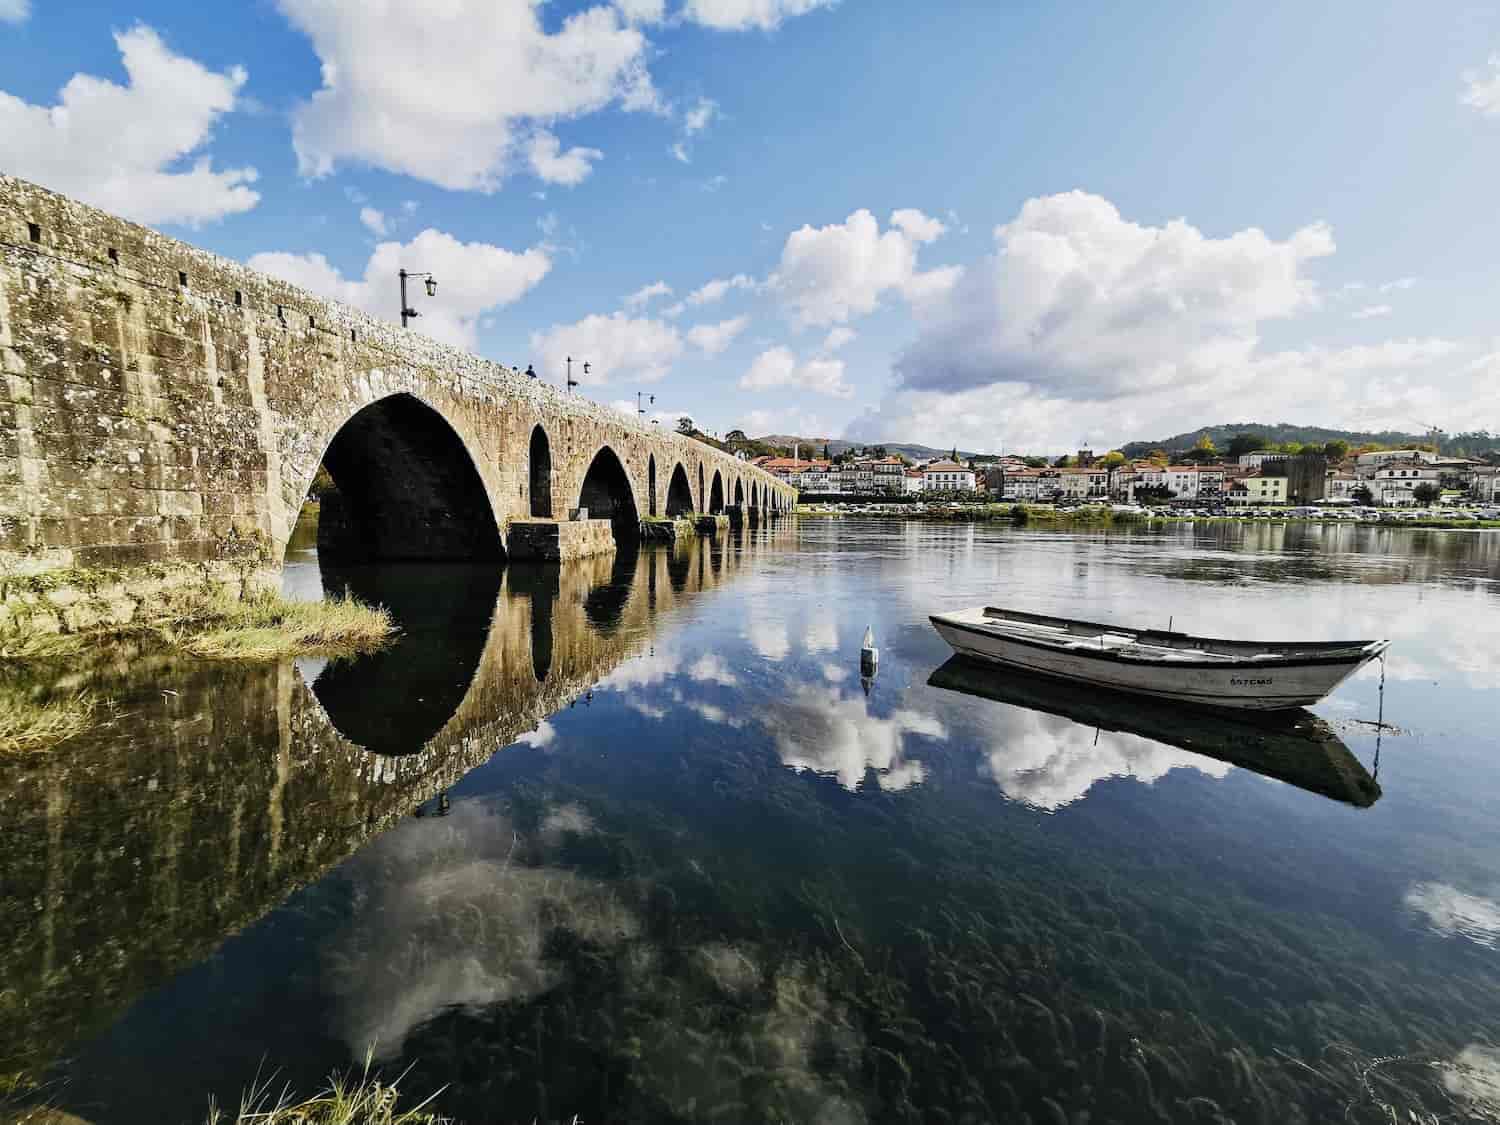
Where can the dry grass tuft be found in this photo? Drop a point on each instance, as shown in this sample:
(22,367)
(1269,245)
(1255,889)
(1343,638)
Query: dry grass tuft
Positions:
(348,1100)
(28,726)
(26,644)
(267,627)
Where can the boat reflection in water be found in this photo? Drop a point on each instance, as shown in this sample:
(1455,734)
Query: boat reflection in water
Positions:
(1296,747)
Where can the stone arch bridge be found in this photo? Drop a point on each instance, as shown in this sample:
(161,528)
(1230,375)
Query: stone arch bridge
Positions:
(159,404)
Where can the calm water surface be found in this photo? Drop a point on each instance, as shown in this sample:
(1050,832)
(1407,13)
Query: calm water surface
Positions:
(633,840)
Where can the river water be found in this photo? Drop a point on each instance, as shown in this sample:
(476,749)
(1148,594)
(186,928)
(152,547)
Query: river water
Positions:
(633,840)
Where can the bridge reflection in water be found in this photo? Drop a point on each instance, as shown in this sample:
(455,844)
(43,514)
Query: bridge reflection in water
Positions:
(218,789)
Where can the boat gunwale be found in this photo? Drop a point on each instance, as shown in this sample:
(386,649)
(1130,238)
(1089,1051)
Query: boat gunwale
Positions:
(1350,653)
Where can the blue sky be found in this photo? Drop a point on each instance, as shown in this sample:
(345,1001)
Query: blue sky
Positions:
(988,224)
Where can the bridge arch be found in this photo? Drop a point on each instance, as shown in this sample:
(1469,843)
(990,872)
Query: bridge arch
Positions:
(716,496)
(608,493)
(651,483)
(406,487)
(739,492)
(540,463)
(679,494)
(702,495)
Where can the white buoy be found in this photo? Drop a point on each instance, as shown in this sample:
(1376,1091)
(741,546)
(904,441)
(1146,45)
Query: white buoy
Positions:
(869,655)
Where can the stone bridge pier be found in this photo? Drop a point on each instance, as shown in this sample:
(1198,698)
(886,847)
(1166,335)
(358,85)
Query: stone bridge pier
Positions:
(162,407)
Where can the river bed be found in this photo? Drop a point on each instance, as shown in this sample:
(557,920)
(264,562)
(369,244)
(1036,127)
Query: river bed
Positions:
(633,840)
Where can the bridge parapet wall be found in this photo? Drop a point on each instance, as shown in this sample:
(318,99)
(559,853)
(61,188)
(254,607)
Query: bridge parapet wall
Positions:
(162,405)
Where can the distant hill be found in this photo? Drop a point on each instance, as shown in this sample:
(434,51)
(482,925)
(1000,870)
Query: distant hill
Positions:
(1471,444)
(814,447)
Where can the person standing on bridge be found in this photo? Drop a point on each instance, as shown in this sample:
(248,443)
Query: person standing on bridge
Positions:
(530,372)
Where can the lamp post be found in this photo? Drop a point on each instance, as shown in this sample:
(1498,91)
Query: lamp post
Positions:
(649,398)
(572,382)
(407,312)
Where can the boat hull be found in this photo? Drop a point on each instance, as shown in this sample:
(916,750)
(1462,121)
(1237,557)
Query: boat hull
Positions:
(1273,688)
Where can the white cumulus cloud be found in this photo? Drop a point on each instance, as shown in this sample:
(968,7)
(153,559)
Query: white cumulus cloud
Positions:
(642,11)
(696,119)
(14,11)
(1370,312)
(1380,385)
(830,275)
(473,277)
(646,293)
(779,367)
(712,339)
(837,338)
(743,15)
(1082,302)
(449,93)
(1482,89)
(374,221)
(554,166)
(716,290)
(614,346)
(134,149)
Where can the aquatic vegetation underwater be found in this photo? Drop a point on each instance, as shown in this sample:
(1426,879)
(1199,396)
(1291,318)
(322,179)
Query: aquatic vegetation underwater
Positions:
(793,952)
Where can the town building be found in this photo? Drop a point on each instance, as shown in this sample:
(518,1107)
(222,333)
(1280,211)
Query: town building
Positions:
(1258,489)
(1022,485)
(1083,483)
(1381,456)
(948,476)
(1395,483)
(1341,485)
(1484,484)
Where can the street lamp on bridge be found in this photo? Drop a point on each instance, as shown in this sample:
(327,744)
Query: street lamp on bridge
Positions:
(572,382)
(407,312)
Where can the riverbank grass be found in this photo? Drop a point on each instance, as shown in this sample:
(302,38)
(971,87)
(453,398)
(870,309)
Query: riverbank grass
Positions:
(349,1100)
(29,726)
(267,626)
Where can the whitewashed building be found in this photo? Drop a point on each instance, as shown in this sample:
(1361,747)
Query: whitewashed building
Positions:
(1484,484)
(1022,485)
(1383,456)
(1083,484)
(1341,485)
(948,476)
(1395,483)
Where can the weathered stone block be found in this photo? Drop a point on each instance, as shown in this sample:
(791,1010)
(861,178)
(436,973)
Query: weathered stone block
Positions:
(559,540)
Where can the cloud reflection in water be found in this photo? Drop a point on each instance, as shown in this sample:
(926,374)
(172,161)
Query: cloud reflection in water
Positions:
(1453,913)
(839,736)
(455,913)
(1048,762)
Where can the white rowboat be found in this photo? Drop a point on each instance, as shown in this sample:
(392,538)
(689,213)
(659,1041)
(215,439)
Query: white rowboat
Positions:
(1203,671)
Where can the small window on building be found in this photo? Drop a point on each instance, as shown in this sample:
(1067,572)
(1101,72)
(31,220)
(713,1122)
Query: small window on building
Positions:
(34,230)
(114,255)
(182,278)
(239,298)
